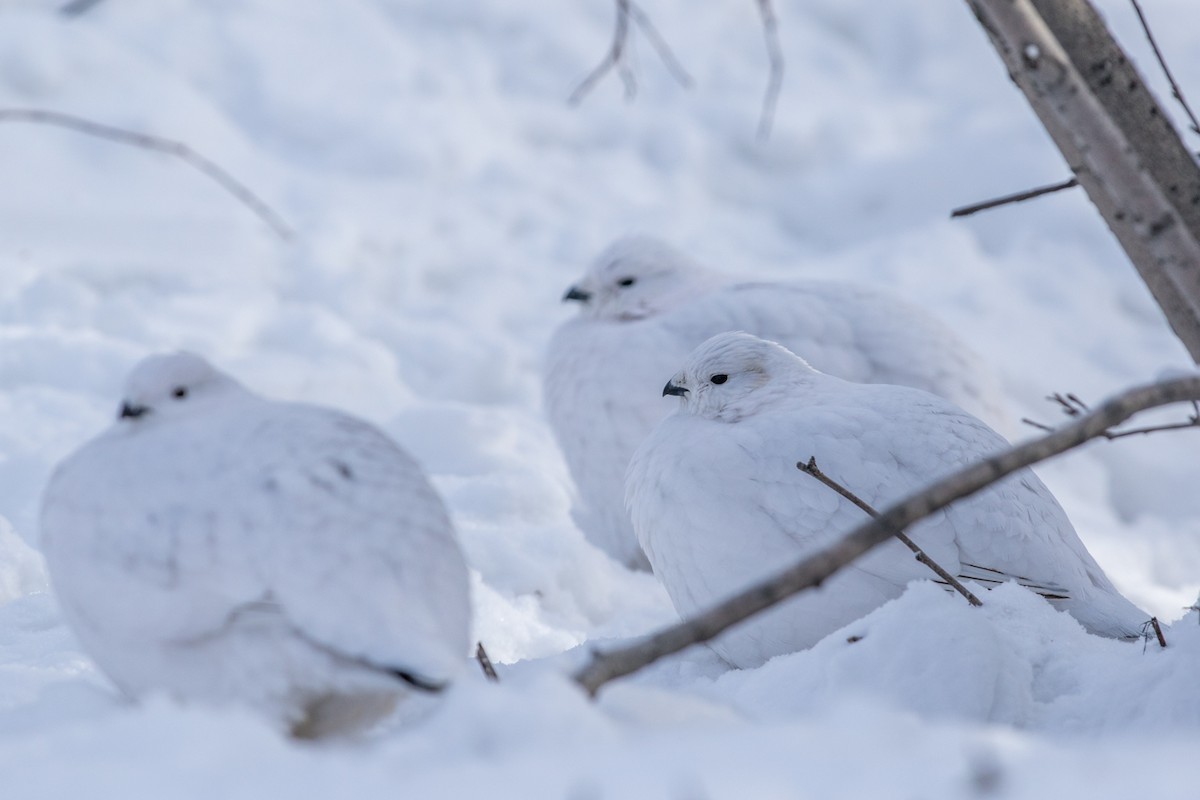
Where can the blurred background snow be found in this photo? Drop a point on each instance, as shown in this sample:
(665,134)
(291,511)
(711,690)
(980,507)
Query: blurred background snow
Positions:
(443,195)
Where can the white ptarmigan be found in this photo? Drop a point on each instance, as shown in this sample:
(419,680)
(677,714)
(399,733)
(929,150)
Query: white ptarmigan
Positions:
(229,549)
(718,503)
(644,306)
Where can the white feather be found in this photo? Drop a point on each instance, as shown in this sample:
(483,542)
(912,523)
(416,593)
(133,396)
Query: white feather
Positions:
(605,369)
(231,549)
(718,503)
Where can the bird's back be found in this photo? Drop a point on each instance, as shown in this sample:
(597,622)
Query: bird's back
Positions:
(302,524)
(730,497)
(850,331)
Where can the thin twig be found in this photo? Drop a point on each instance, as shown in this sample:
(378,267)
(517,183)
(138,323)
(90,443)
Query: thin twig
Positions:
(770,23)
(485,663)
(1073,407)
(811,468)
(617,56)
(1158,632)
(606,666)
(146,141)
(660,45)
(77,8)
(1110,435)
(1019,197)
(1176,92)
(613,58)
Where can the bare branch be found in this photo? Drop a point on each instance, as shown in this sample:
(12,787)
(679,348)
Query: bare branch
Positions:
(614,57)
(1119,141)
(660,45)
(810,468)
(617,57)
(1073,407)
(485,663)
(1152,429)
(607,666)
(146,141)
(77,8)
(1158,631)
(770,24)
(1019,197)
(1176,92)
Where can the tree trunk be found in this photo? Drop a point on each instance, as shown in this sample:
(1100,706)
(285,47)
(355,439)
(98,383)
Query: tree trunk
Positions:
(1115,137)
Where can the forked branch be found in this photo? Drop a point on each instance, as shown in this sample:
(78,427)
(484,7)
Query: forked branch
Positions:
(1073,407)
(607,666)
(617,57)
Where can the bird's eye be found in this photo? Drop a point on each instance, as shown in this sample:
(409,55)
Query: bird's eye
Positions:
(179,392)
(719,379)
(627,282)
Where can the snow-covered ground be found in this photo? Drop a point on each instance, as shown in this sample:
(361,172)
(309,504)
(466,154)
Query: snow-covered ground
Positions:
(444,195)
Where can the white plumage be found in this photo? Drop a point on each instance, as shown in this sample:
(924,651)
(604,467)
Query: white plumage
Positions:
(645,306)
(230,549)
(718,503)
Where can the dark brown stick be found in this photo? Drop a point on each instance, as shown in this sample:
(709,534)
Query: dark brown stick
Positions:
(607,666)
(485,663)
(146,141)
(1158,632)
(1019,197)
(770,23)
(1162,62)
(811,468)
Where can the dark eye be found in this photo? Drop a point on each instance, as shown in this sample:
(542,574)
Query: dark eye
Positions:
(719,379)
(627,282)
(179,392)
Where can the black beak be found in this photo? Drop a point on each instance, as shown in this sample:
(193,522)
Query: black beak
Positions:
(575,293)
(131,411)
(675,389)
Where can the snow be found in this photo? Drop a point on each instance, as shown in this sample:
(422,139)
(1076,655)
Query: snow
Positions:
(443,196)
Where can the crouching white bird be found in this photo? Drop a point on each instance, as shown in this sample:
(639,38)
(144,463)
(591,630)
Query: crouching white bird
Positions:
(718,502)
(644,306)
(229,549)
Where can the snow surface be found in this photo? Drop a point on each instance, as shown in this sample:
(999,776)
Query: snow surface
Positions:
(444,195)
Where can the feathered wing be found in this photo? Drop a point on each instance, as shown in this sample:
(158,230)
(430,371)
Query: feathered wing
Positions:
(357,547)
(719,505)
(1013,530)
(131,556)
(602,392)
(284,519)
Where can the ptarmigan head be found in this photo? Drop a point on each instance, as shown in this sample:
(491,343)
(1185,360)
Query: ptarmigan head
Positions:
(171,385)
(733,375)
(637,277)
